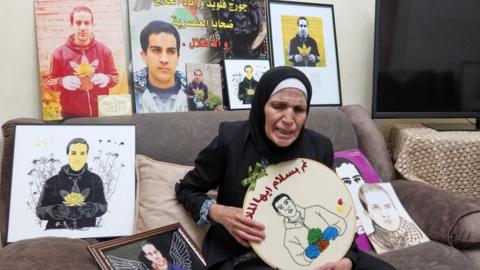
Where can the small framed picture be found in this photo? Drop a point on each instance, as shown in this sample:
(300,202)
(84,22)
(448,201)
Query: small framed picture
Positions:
(242,78)
(73,181)
(168,247)
(204,87)
(305,33)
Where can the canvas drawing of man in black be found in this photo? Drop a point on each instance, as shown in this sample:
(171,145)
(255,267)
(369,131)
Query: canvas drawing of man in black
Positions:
(74,198)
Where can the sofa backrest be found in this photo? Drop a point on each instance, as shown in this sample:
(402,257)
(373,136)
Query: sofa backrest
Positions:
(178,137)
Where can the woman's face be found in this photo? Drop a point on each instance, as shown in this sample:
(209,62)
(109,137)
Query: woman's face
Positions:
(285,114)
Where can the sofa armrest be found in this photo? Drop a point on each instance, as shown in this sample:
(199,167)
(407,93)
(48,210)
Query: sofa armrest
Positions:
(52,253)
(371,141)
(8,129)
(445,216)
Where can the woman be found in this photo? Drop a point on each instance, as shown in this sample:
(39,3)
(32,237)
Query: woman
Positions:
(274,133)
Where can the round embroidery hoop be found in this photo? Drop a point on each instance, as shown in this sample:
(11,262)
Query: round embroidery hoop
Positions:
(320,200)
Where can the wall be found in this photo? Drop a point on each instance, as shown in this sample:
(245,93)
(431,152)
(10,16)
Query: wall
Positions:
(19,94)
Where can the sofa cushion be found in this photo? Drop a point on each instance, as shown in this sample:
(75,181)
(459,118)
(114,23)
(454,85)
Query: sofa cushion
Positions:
(370,141)
(429,255)
(445,216)
(157,205)
(52,253)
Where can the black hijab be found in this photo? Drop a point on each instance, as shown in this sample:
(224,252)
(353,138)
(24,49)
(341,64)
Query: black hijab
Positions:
(256,121)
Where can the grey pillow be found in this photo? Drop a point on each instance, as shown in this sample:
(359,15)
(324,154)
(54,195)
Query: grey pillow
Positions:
(445,216)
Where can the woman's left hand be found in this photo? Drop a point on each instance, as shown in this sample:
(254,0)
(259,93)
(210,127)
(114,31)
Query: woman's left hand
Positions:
(343,264)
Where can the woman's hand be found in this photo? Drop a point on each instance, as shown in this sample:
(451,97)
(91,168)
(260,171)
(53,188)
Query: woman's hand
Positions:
(343,264)
(243,229)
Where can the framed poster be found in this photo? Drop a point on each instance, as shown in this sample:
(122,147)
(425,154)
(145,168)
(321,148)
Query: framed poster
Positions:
(307,222)
(204,87)
(81,56)
(193,32)
(73,181)
(305,38)
(168,247)
(242,77)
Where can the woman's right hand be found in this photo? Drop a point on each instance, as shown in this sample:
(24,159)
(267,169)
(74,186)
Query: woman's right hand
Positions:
(243,229)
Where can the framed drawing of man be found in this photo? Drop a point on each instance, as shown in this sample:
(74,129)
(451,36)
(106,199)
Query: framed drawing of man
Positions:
(73,181)
(168,247)
(242,77)
(306,32)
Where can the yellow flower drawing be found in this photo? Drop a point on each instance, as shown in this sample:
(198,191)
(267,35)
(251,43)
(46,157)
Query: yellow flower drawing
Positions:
(85,68)
(304,50)
(74,199)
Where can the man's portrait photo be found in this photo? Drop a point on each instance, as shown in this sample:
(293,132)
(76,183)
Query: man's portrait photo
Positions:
(391,227)
(303,40)
(159,87)
(204,88)
(81,56)
(164,248)
(157,261)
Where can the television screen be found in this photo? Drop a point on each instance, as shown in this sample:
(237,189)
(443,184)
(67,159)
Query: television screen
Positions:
(427,59)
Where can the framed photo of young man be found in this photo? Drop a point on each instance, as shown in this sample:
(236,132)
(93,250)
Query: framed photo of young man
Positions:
(242,78)
(306,32)
(74,181)
(81,56)
(168,247)
(204,87)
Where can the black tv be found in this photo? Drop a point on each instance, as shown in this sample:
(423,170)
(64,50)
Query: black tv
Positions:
(427,59)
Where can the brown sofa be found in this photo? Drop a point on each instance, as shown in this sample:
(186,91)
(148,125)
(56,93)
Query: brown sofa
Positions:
(450,220)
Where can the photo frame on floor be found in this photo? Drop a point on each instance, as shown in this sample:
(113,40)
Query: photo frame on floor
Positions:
(304,34)
(168,246)
(74,181)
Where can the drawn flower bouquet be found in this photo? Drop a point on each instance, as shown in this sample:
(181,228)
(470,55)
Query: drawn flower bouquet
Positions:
(84,71)
(73,199)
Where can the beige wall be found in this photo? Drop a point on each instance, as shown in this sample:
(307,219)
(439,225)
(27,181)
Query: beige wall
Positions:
(19,94)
